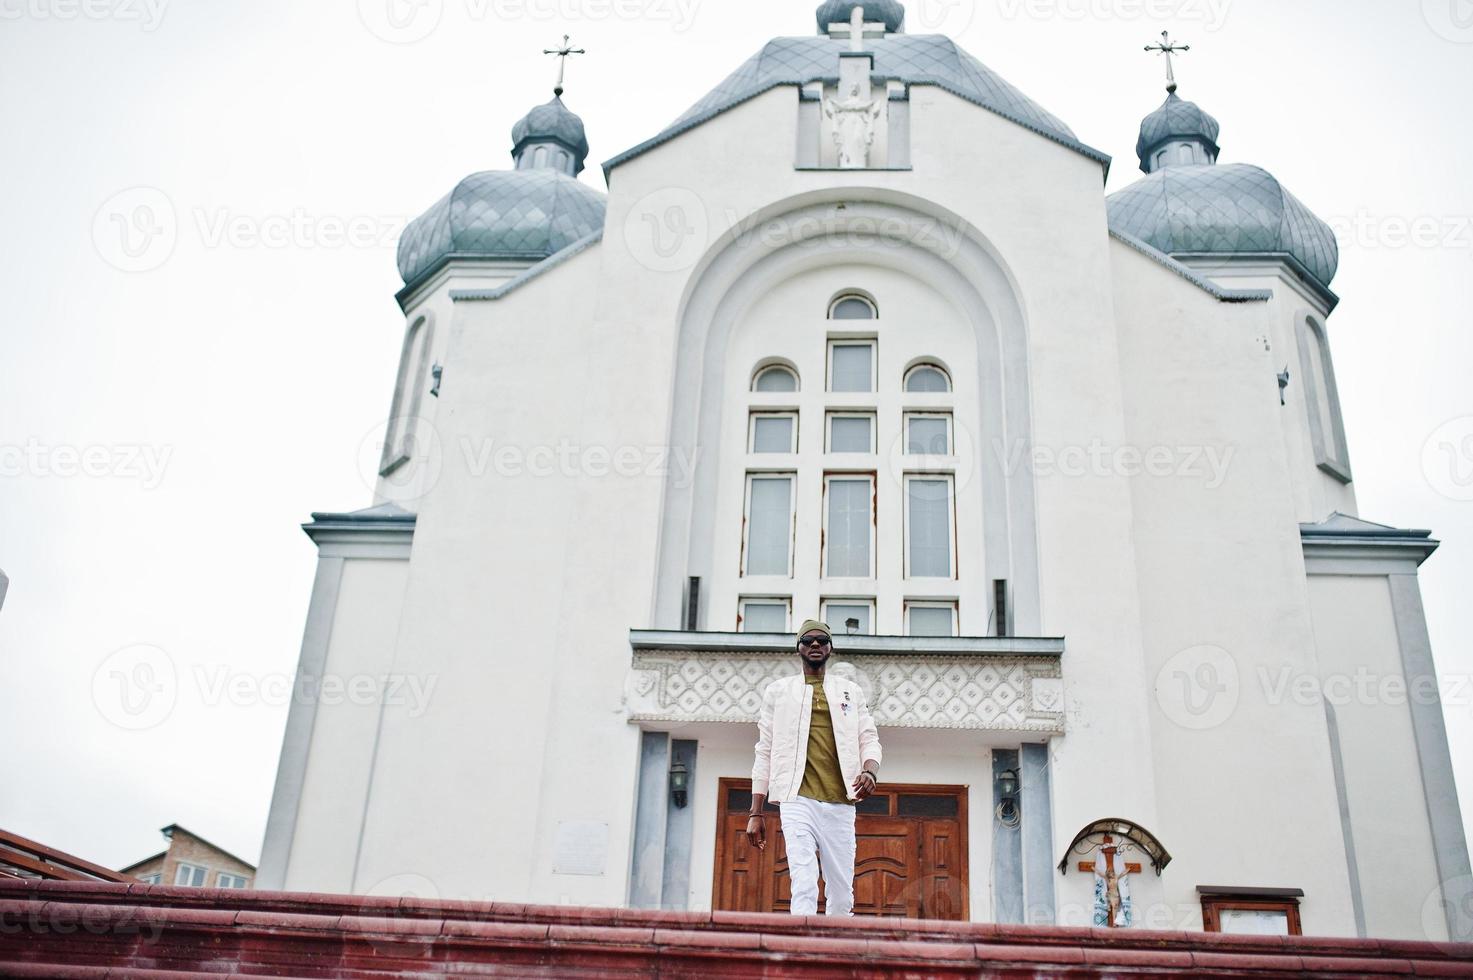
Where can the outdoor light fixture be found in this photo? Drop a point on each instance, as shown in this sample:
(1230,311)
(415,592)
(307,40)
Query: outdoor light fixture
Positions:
(1007,792)
(679,780)
(851,624)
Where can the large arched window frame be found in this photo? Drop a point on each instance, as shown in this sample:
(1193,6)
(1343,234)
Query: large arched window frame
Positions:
(409,389)
(1322,398)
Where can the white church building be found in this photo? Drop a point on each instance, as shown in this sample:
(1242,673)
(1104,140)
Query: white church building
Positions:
(1064,471)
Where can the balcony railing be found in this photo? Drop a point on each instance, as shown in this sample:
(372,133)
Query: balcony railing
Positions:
(1012,684)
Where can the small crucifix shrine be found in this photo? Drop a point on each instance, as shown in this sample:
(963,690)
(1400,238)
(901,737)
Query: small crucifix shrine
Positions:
(854,120)
(1112,886)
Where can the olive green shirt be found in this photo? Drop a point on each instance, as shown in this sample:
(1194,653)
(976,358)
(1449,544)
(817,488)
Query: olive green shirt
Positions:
(823,780)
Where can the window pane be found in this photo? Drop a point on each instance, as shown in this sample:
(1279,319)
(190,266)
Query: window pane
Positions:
(930,528)
(927,436)
(838,615)
(772,434)
(853,308)
(1254,922)
(849,528)
(930,621)
(764,617)
(777,379)
(850,435)
(852,367)
(770,527)
(927,379)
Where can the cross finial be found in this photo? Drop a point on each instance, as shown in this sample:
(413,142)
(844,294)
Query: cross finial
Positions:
(1168,47)
(562,61)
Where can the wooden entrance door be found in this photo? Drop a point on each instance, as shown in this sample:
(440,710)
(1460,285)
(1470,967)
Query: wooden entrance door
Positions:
(910,854)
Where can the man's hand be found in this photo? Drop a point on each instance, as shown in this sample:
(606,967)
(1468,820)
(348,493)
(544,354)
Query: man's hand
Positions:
(864,784)
(757,832)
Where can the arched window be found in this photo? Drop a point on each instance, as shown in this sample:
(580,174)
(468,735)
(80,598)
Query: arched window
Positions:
(408,395)
(853,307)
(539,158)
(927,378)
(775,378)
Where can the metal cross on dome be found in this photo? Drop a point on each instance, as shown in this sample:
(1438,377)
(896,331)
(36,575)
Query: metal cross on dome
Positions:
(562,61)
(1168,47)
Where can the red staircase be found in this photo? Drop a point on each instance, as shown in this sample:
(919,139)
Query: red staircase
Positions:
(110,930)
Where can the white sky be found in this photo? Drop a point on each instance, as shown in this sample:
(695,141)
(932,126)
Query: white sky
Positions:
(251,371)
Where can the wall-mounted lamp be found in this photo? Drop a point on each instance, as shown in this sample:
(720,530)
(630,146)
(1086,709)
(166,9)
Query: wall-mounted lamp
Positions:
(679,783)
(438,373)
(1007,795)
(1283,384)
(851,625)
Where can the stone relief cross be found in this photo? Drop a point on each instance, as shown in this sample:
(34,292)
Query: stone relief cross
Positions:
(856,31)
(1168,47)
(562,61)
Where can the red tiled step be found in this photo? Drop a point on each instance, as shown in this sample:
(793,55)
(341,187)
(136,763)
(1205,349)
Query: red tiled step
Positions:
(84,929)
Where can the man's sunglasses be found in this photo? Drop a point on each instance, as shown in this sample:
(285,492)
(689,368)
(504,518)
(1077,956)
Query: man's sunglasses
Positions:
(815,641)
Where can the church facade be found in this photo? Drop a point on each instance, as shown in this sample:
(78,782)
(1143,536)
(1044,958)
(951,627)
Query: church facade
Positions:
(1066,474)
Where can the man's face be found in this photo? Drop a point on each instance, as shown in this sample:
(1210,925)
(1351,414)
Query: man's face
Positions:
(815,648)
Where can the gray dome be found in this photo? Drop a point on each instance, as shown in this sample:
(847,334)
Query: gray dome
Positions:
(552,122)
(892,12)
(501,214)
(1224,210)
(1176,119)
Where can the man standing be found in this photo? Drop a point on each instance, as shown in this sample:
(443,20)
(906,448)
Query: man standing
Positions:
(817,754)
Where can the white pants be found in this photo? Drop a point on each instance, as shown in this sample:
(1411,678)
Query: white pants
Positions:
(817,832)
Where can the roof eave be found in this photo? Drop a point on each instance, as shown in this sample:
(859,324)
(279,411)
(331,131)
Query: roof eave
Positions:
(1201,282)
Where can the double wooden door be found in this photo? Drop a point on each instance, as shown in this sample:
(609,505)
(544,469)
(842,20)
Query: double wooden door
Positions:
(910,854)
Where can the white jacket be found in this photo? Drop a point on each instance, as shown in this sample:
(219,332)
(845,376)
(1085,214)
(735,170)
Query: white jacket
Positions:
(782,734)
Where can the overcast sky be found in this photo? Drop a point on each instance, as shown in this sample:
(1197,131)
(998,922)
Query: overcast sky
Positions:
(169,416)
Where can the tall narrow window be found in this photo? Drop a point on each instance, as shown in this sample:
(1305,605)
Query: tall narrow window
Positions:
(764,615)
(851,433)
(769,525)
(852,365)
(928,552)
(849,527)
(408,396)
(775,432)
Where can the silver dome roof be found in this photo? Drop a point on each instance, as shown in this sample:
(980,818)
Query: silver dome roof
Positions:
(1230,209)
(555,122)
(891,12)
(1176,119)
(505,214)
